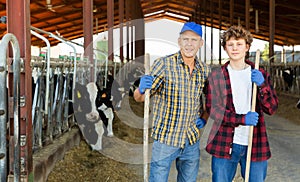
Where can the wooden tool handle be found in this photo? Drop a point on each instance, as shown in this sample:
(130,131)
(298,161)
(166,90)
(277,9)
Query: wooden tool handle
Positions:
(146,121)
(253,104)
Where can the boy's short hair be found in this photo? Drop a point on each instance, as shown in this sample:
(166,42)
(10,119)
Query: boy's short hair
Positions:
(238,32)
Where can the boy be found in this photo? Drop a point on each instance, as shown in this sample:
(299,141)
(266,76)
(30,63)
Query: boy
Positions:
(229,104)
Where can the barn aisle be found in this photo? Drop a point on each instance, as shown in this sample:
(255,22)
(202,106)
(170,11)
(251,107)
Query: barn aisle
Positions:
(285,146)
(82,164)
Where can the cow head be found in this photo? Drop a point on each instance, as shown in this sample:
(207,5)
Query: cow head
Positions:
(84,101)
(86,114)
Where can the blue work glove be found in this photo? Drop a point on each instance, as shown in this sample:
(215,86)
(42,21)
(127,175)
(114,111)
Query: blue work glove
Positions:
(257,77)
(145,83)
(200,122)
(251,118)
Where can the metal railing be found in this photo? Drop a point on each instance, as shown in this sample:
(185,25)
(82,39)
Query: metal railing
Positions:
(285,77)
(4,106)
(50,112)
(56,120)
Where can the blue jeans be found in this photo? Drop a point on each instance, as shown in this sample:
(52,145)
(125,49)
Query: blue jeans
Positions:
(224,169)
(187,162)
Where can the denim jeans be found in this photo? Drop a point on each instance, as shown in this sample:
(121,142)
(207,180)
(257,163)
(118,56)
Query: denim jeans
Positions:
(223,170)
(187,162)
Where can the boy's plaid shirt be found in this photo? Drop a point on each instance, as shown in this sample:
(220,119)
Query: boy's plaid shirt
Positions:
(221,109)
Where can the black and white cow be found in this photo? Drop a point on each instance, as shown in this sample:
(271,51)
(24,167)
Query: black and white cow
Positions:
(105,109)
(87,116)
(287,75)
(134,86)
(133,78)
(298,104)
(107,116)
(114,93)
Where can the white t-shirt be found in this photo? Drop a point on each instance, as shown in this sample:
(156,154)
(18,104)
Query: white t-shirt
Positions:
(241,92)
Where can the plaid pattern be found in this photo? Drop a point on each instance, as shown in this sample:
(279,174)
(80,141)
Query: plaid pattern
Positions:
(221,109)
(176,99)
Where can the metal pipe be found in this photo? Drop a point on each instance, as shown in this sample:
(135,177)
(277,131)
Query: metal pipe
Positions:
(95,66)
(106,70)
(256,22)
(3,115)
(75,61)
(53,64)
(3,105)
(106,66)
(48,67)
(115,69)
(48,116)
(66,42)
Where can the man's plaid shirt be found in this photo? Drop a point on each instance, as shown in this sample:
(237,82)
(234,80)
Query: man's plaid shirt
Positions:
(221,109)
(176,99)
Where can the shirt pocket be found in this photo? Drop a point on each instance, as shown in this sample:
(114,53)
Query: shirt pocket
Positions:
(172,88)
(198,86)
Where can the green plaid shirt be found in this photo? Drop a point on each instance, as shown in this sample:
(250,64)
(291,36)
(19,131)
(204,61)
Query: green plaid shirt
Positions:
(176,99)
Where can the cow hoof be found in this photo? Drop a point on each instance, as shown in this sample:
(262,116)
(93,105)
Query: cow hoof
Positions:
(110,134)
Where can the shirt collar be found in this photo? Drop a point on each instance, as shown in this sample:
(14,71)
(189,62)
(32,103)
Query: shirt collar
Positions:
(180,60)
(246,61)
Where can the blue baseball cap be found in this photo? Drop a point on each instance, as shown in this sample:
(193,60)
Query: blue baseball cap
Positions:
(193,27)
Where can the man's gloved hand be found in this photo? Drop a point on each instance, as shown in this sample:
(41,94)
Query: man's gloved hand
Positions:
(200,122)
(251,118)
(145,83)
(257,77)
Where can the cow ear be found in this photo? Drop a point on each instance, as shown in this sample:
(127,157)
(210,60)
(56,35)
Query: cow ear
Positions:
(78,95)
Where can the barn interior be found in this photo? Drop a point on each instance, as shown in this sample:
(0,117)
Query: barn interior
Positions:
(46,23)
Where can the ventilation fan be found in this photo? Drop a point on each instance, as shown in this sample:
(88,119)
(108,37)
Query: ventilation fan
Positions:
(52,8)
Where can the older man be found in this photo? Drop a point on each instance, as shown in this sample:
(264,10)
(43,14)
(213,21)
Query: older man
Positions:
(176,82)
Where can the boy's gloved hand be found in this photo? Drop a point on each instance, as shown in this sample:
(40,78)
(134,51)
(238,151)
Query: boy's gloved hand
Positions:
(145,83)
(200,122)
(257,77)
(251,118)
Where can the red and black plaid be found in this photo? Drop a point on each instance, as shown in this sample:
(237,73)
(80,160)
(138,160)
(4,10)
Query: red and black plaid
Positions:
(220,106)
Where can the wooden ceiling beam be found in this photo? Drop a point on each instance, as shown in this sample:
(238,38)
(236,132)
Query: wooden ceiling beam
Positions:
(67,20)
